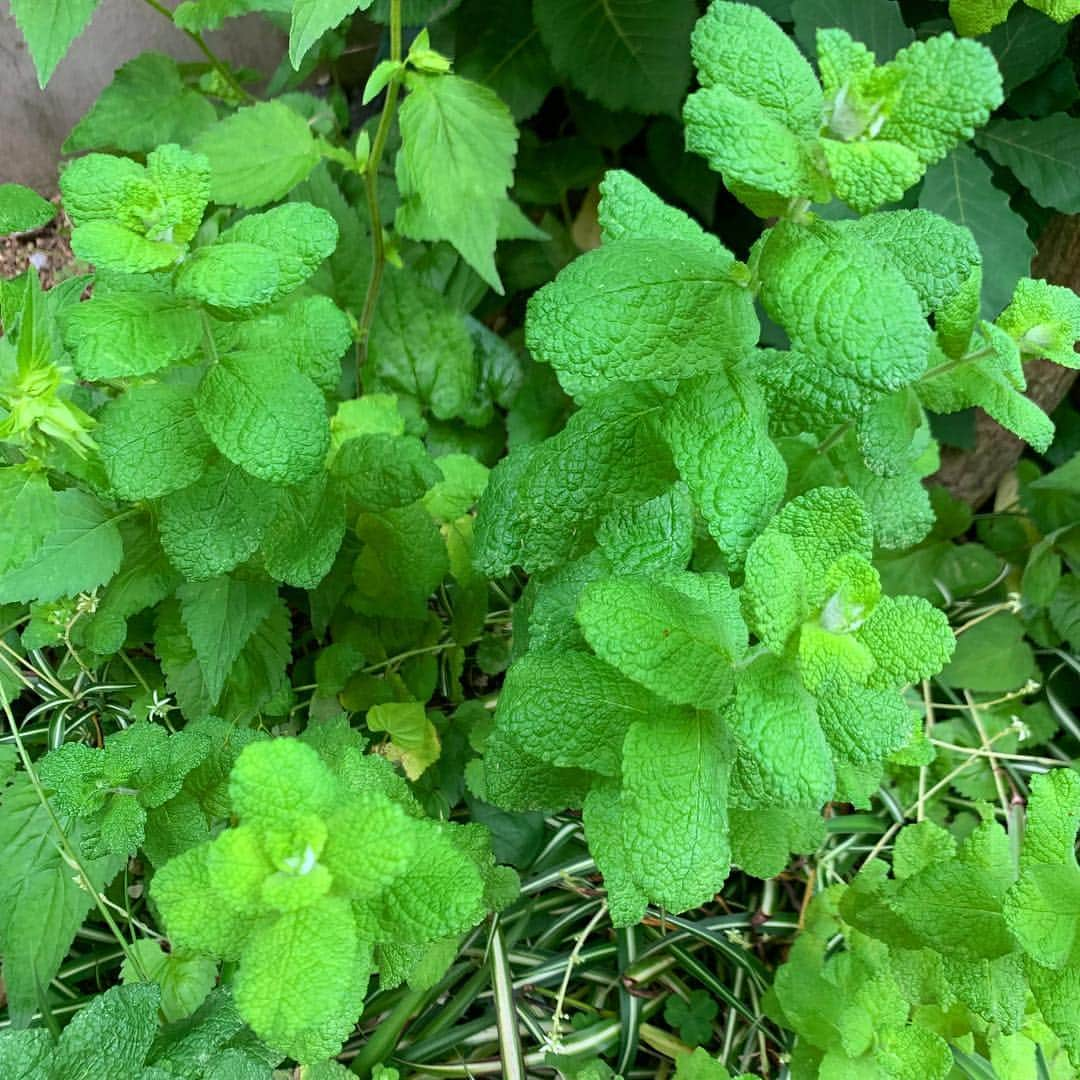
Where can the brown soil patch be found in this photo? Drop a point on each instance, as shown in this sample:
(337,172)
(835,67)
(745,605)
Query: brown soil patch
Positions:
(47,248)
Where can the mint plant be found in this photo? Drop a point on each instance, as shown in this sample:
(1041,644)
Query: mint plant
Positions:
(408,496)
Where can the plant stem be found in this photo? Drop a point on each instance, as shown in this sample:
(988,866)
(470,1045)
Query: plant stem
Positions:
(951,365)
(371,185)
(385,1037)
(200,43)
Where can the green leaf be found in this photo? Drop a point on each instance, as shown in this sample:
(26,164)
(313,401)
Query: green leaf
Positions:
(455,166)
(856,327)
(654,535)
(146,104)
(22,210)
(717,428)
(641,309)
(312,18)
(260,259)
(31,513)
(184,981)
(992,656)
(642,62)
(303,539)
(783,758)
(265,416)
(38,879)
(135,327)
(973,17)
(498,45)
(151,441)
(571,709)
(1043,154)
(413,738)
(258,154)
(878,24)
(419,347)
(678,634)
(200,15)
(961,189)
(220,615)
(1065,610)
(380,472)
(82,553)
(629,210)
(50,26)
(216,523)
(674,806)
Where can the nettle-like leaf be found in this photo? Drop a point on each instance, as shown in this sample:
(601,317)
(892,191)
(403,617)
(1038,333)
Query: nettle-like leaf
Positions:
(336,868)
(758,118)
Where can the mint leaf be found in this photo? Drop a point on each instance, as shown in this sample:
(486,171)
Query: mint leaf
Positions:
(644,65)
(379,472)
(303,539)
(81,554)
(146,104)
(265,416)
(258,154)
(22,210)
(654,535)
(50,26)
(641,310)
(217,522)
(717,427)
(677,634)
(31,516)
(130,326)
(454,166)
(151,441)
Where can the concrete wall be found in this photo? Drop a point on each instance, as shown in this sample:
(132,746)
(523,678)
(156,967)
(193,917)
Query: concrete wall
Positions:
(34,123)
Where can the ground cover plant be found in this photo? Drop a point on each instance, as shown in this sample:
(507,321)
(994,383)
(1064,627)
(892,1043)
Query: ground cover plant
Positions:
(476,594)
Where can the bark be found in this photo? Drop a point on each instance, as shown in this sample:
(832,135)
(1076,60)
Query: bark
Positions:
(973,475)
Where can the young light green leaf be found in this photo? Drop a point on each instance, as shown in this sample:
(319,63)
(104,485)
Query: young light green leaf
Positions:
(312,18)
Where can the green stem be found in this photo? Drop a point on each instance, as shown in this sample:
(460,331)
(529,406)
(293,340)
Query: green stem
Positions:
(200,43)
(385,1037)
(833,437)
(371,185)
(952,365)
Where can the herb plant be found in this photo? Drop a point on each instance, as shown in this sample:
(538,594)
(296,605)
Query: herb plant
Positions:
(472,599)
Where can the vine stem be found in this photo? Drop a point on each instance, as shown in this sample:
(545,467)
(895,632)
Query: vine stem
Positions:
(200,43)
(371,186)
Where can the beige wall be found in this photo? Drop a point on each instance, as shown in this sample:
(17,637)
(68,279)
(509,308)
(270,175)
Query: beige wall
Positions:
(34,122)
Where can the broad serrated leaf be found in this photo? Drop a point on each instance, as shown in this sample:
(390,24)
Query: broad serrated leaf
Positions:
(1043,154)
(455,166)
(303,539)
(878,24)
(80,555)
(641,309)
(258,154)
(312,18)
(642,59)
(31,513)
(50,26)
(151,441)
(145,105)
(265,416)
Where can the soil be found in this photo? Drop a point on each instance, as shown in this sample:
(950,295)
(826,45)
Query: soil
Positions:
(47,248)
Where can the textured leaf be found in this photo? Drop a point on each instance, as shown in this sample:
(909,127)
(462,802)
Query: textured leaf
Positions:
(640,310)
(717,428)
(654,535)
(674,805)
(302,541)
(420,348)
(151,441)
(571,709)
(678,645)
(145,105)
(22,209)
(81,554)
(265,416)
(641,61)
(132,329)
(184,981)
(258,154)
(216,523)
(380,472)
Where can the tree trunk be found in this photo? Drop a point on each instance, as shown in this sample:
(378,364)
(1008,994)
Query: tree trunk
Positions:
(973,475)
